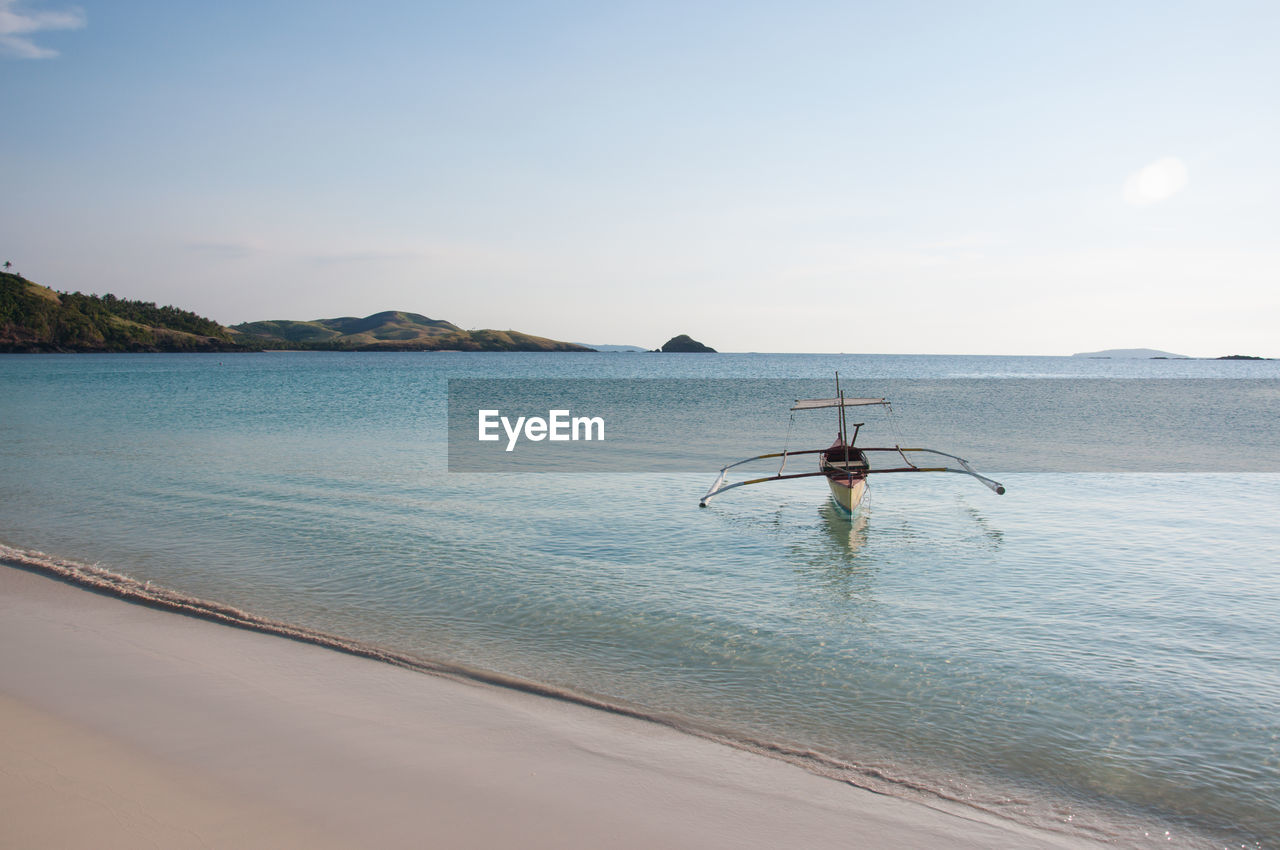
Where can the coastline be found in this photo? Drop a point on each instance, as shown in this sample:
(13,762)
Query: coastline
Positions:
(184,732)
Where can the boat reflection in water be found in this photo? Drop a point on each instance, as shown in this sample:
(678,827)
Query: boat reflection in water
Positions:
(832,564)
(847,532)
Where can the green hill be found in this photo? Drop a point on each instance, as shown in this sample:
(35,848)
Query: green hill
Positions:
(36,318)
(390,327)
(392,330)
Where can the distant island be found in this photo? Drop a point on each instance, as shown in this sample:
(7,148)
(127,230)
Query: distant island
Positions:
(1147,353)
(1153,354)
(621,348)
(35,318)
(685,344)
(391,330)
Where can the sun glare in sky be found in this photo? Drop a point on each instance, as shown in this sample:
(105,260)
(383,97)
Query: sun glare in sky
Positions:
(1156,182)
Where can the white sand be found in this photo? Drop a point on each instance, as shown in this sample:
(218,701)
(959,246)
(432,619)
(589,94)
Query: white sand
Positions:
(125,726)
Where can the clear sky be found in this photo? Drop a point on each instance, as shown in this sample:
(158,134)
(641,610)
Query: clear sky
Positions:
(959,177)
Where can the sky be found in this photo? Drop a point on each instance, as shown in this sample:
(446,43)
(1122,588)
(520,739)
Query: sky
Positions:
(941,178)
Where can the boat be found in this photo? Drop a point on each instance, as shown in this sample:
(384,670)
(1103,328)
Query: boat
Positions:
(846,465)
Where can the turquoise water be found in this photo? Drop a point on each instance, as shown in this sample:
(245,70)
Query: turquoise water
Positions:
(1097,653)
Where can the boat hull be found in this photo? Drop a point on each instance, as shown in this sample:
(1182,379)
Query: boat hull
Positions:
(847,493)
(846,469)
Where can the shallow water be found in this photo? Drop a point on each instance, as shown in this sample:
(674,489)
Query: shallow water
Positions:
(1095,652)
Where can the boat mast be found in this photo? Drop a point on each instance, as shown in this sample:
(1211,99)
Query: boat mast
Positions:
(844,425)
(840,415)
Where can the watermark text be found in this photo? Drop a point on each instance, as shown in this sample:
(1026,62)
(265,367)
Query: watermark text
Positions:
(558,426)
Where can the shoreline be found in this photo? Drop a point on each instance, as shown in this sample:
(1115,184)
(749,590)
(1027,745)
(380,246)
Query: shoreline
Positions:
(178,729)
(102,581)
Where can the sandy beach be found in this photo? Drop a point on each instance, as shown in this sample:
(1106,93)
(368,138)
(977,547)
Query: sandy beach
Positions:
(127,726)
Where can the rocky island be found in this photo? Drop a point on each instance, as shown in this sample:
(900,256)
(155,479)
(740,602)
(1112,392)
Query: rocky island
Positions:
(685,344)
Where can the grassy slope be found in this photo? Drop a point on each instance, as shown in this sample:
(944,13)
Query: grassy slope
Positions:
(285,330)
(36,318)
(392,330)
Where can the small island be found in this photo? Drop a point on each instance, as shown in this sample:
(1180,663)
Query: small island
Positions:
(1154,354)
(685,344)
(1132,353)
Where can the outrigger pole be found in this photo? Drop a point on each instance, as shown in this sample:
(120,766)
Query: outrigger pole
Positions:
(996,486)
(841,403)
(719,486)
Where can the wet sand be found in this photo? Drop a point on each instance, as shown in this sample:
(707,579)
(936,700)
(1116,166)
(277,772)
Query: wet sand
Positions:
(124,726)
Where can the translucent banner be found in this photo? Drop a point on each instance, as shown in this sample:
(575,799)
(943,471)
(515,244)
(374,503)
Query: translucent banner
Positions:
(999,425)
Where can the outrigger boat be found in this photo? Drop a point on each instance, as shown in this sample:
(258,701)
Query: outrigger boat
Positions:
(844,464)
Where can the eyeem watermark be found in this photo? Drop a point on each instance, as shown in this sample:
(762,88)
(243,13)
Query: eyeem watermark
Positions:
(1004,425)
(558,426)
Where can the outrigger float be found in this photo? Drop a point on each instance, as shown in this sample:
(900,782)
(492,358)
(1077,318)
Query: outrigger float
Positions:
(844,464)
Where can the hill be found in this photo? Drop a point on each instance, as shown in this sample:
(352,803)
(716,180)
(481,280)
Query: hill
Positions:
(36,318)
(391,330)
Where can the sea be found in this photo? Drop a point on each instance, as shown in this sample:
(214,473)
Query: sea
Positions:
(1095,653)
